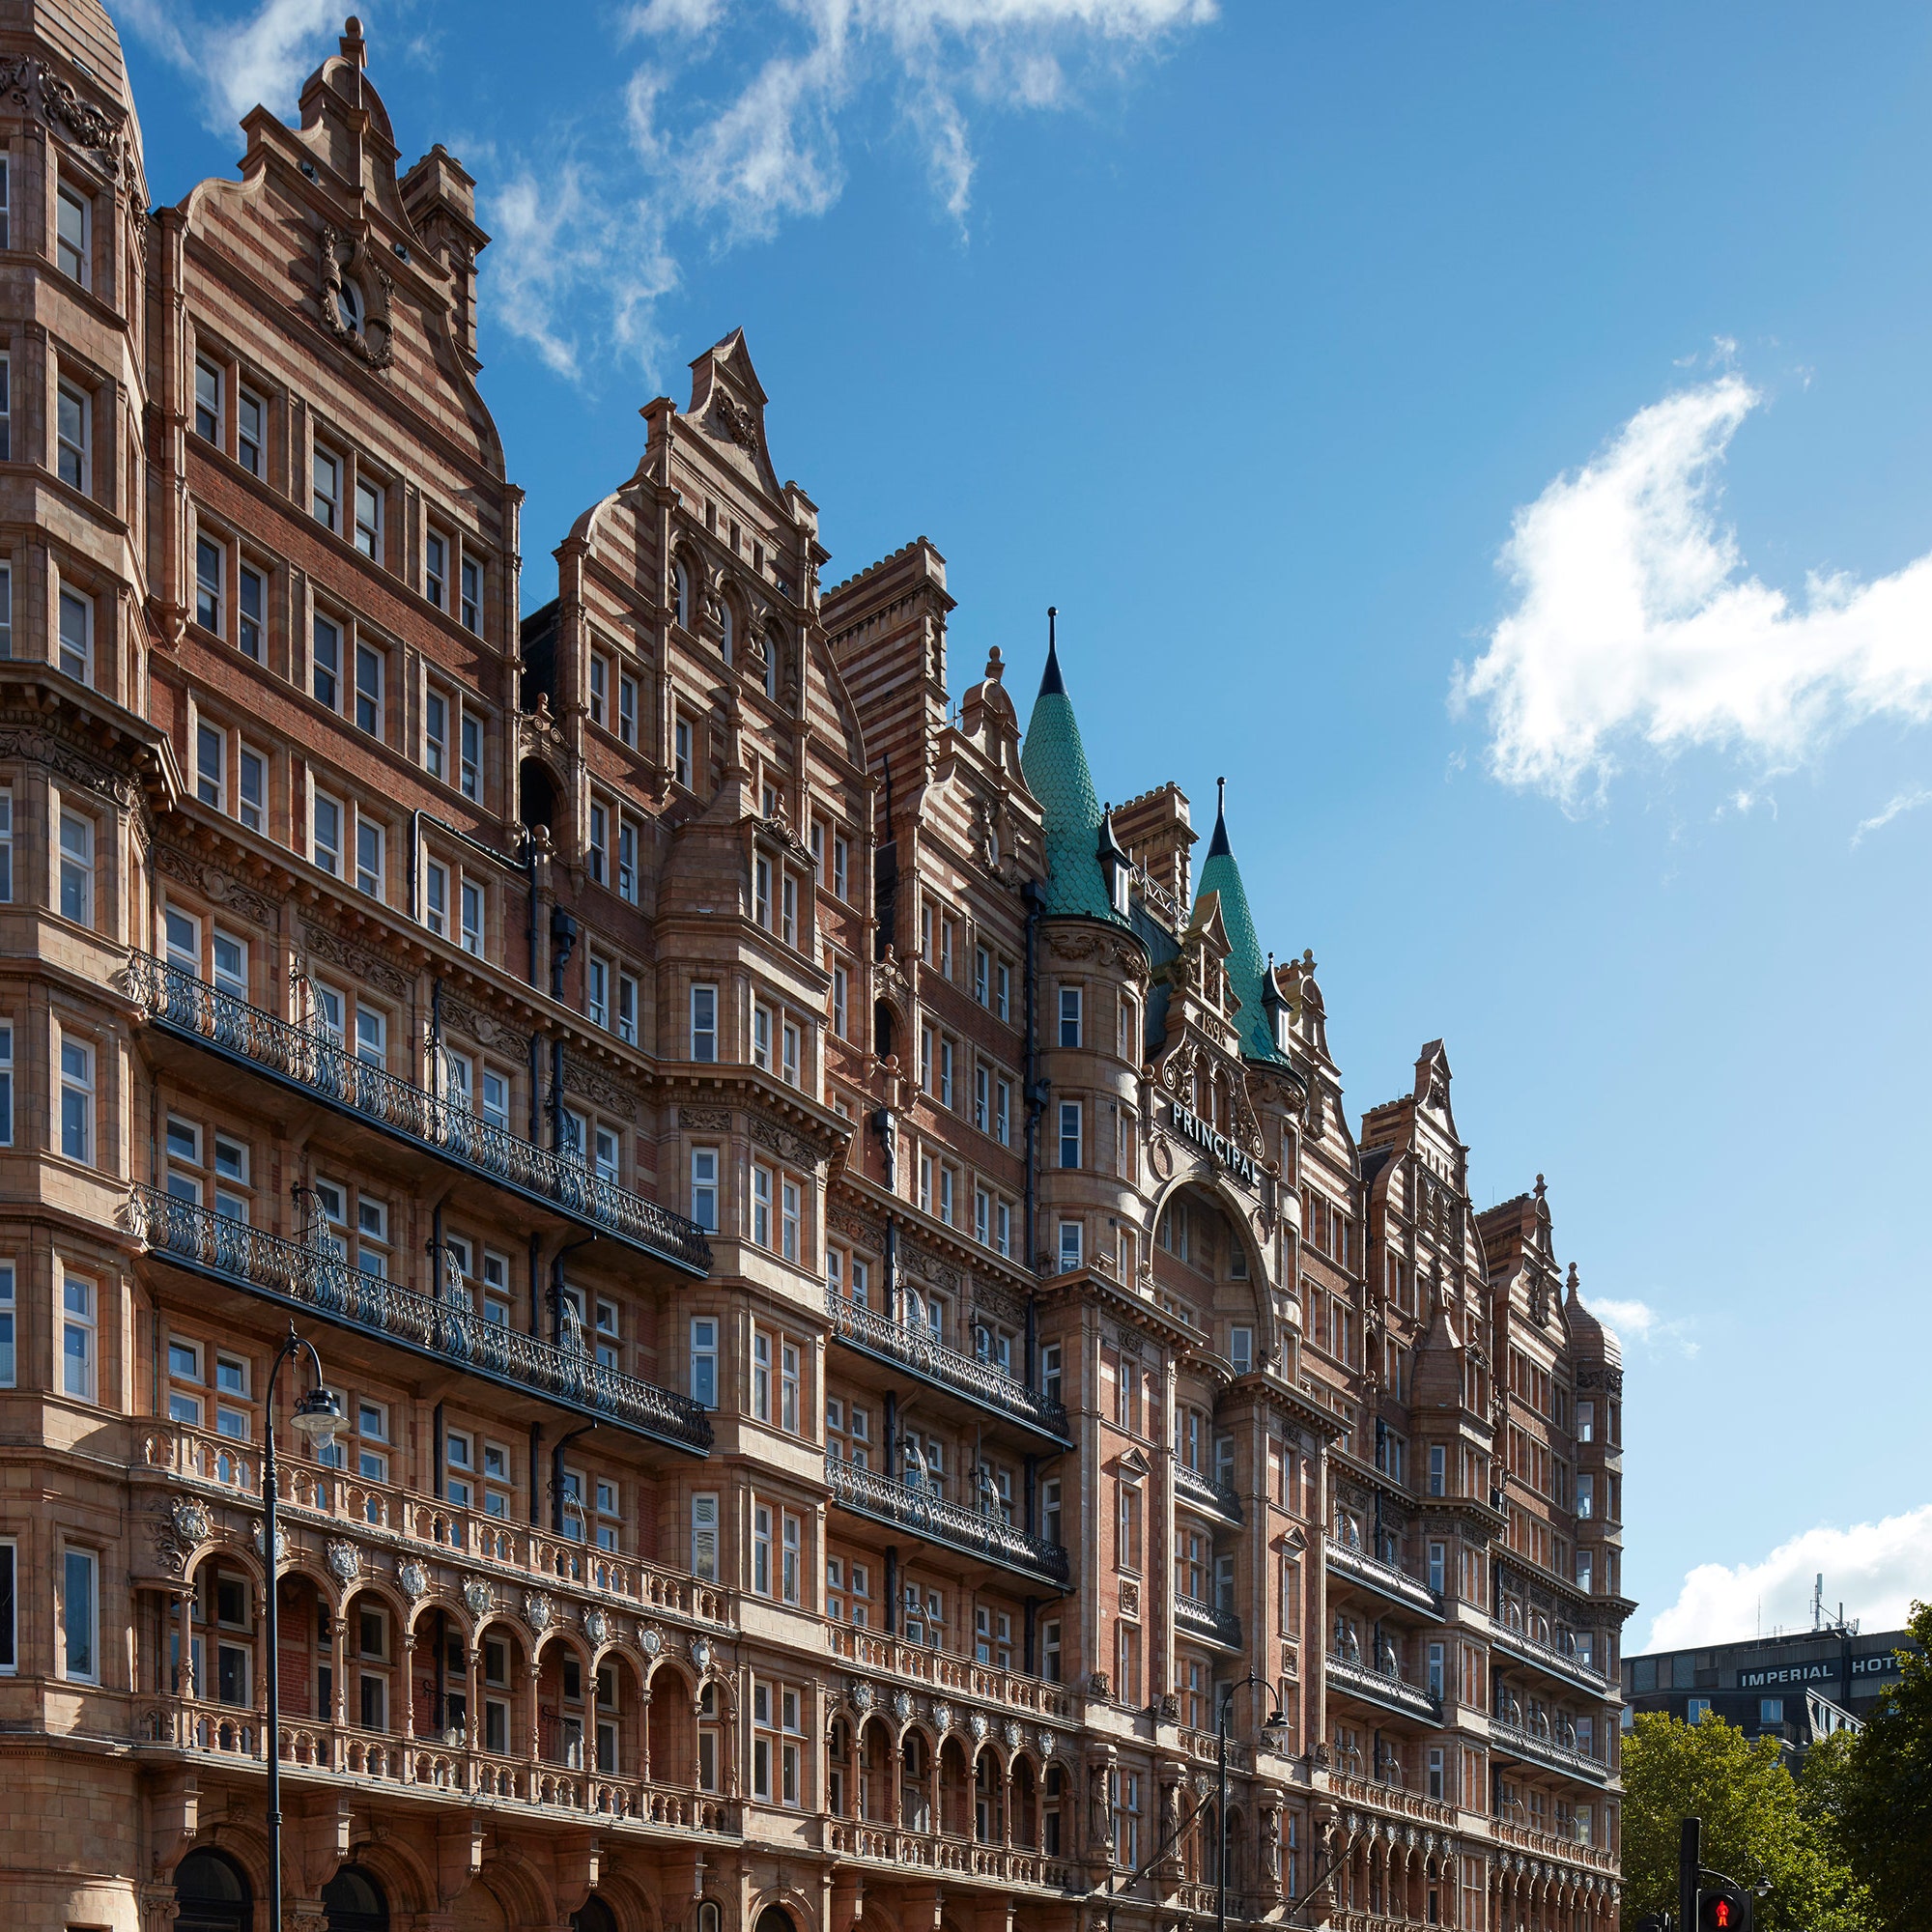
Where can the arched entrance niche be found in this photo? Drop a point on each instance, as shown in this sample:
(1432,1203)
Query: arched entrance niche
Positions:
(1204,1259)
(776,1918)
(212,1892)
(593,1915)
(353,1901)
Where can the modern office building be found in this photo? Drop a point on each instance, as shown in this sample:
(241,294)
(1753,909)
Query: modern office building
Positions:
(863,1329)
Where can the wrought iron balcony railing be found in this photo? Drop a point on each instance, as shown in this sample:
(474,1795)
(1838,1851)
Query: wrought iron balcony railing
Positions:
(914,1348)
(1386,1580)
(1383,1687)
(1196,1490)
(1205,1620)
(1540,1656)
(448,1331)
(928,1514)
(1519,1740)
(315,1062)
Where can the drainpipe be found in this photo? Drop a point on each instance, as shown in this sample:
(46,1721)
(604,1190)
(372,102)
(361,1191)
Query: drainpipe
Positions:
(1035,901)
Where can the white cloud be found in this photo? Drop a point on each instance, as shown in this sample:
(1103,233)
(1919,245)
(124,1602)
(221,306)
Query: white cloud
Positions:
(1639,1323)
(1902,802)
(260,61)
(1636,621)
(1875,1569)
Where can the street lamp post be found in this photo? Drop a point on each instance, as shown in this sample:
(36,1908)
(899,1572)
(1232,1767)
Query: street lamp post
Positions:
(1277,1724)
(315,1418)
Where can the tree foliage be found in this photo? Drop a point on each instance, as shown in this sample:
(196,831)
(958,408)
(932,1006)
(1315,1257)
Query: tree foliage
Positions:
(1755,1826)
(1874,1798)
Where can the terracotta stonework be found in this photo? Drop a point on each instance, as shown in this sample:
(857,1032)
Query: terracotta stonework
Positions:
(864,1329)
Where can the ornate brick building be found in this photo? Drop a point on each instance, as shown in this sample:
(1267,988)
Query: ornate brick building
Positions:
(863,1329)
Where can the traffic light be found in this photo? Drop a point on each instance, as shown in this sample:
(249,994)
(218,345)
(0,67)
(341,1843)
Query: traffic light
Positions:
(1724,1907)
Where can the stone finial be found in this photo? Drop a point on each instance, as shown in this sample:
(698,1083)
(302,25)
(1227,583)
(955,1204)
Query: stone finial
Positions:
(996,668)
(1538,1187)
(354,46)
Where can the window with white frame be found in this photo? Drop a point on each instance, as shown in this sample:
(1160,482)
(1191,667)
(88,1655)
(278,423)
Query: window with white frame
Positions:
(76,867)
(77,635)
(369,842)
(704,1536)
(471,897)
(9,1364)
(73,238)
(251,436)
(470,608)
(1072,1243)
(76,1098)
(703,1381)
(326,496)
(704,1023)
(627,709)
(209,565)
(370,666)
(9,1602)
(79,1335)
(251,597)
(326,661)
(327,818)
(681,751)
(704,1189)
(208,388)
(369,519)
(81,1615)
(1070,1133)
(5,567)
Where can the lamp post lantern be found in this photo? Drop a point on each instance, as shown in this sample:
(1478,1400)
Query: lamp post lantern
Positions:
(1277,1724)
(316,1417)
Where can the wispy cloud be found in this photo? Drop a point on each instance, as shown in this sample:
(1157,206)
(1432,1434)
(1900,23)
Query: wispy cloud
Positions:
(1635,620)
(681,145)
(260,60)
(1639,1322)
(1904,802)
(1875,1569)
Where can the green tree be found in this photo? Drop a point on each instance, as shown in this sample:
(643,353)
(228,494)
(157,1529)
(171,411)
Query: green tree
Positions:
(1877,1806)
(1754,1824)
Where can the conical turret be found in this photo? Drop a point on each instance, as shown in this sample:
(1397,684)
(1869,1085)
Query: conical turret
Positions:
(1054,762)
(1221,874)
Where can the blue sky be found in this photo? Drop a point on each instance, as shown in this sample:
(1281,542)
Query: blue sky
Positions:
(1494,437)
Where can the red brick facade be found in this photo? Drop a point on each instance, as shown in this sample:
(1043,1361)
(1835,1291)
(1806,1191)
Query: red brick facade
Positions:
(863,1331)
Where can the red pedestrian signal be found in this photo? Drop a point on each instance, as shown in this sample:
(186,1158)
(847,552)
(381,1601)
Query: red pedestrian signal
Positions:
(1726,1908)
(1720,1915)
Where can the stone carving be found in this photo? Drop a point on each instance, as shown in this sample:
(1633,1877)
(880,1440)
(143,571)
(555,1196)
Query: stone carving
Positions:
(538,1611)
(847,1221)
(923,1262)
(613,1097)
(221,887)
(791,1148)
(485,1029)
(41,747)
(347,265)
(942,1717)
(91,125)
(705,1120)
(596,1626)
(178,1532)
(414,1580)
(738,422)
(478,1594)
(977,1723)
(323,944)
(989,1298)
(650,1640)
(700,1653)
(902,1706)
(1011,1735)
(345,1561)
(862,1697)
(259,1537)
(1048,1743)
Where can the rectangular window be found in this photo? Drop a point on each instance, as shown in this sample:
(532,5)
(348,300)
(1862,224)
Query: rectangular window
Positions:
(600,844)
(472,897)
(77,635)
(325,834)
(840,855)
(208,401)
(1070,1133)
(627,1008)
(78,1322)
(368,858)
(369,689)
(368,519)
(1071,1242)
(627,860)
(8,1367)
(627,709)
(326,495)
(436,734)
(681,752)
(210,749)
(73,220)
(1069,1016)
(471,731)
(789,1220)
(76,867)
(704,1023)
(704,1360)
(761,1206)
(80,1577)
(704,1189)
(1003,1112)
(209,559)
(325,663)
(472,612)
(77,1061)
(5,568)
(250,432)
(251,602)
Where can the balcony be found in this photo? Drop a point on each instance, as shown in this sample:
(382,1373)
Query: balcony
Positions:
(313,1063)
(1206,1623)
(928,1514)
(919,1664)
(1517,1741)
(1571,1851)
(1385,1579)
(224,1735)
(1391,1799)
(953,1858)
(1545,1656)
(1198,1493)
(447,1332)
(1386,1687)
(318,1505)
(914,1350)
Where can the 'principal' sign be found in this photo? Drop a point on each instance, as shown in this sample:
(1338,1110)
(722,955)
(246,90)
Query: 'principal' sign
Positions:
(1237,1160)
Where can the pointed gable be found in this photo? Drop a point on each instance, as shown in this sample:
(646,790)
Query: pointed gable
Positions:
(1221,875)
(728,402)
(1054,763)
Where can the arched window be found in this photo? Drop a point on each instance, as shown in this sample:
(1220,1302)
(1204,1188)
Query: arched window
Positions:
(354,1902)
(771,663)
(710,1917)
(212,1894)
(727,628)
(348,303)
(680,583)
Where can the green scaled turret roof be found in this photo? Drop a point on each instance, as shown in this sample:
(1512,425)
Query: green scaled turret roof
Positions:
(1221,874)
(1054,762)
